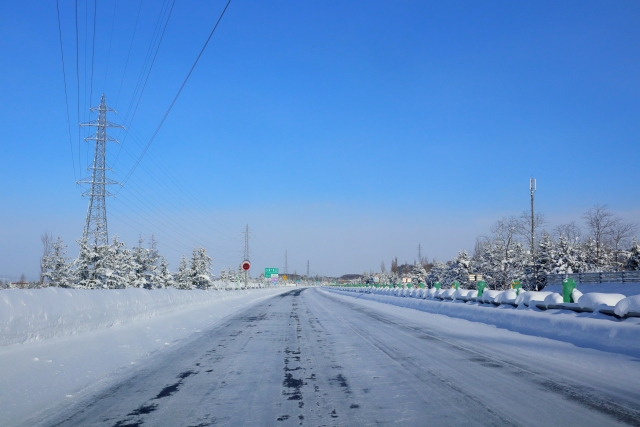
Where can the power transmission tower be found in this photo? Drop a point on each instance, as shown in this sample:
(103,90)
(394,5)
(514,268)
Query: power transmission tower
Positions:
(307,269)
(419,253)
(95,228)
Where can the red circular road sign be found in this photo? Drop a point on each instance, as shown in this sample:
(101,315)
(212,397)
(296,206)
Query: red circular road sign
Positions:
(246,265)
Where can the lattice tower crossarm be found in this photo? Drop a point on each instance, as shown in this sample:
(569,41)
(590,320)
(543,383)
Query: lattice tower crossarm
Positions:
(95,228)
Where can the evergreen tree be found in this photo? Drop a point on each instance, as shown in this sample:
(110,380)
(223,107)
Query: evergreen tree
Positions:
(633,262)
(57,267)
(200,271)
(418,274)
(181,277)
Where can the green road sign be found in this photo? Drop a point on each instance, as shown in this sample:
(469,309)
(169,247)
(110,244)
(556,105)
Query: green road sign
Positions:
(269,271)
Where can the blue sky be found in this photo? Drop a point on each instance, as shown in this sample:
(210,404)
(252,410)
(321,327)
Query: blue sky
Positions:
(344,132)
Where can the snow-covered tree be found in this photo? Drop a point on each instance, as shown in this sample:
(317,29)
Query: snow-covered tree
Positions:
(418,274)
(459,269)
(164,278)
(181,277)
(200,269)
(56,267)
(633,262)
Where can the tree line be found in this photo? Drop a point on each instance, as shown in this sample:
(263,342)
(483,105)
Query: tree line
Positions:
(606,244)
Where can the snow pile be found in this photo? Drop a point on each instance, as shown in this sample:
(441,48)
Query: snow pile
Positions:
(448,294)
(576,295)
(529,297)
(489,296)
(595,300)
(35,314)
(507,297)
(628,305)
(553,298)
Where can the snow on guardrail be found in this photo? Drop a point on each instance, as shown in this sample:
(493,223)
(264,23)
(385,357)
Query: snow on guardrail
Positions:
(581,324)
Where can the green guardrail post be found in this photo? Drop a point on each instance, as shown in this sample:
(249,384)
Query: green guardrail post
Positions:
(568,285)
(481,285)
(455,285)
(421,285)
(437,285)
(409,285)
(517,286)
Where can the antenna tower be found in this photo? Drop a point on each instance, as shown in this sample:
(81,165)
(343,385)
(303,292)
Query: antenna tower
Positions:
(95,228)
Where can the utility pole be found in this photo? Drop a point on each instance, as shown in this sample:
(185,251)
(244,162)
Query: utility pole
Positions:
(95,228)
(532,189)
(246,255)
(286,264)
(307,269)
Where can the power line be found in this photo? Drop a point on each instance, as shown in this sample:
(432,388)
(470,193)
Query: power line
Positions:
(113,21)
(177,95)
(135,27)
(93,48)
(66,97)
(146,78)
(78,87)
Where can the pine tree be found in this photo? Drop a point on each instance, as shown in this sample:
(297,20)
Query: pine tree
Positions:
(164,278)
(181,277)
(200,271)
(57,267)
(418,274)
(633,262)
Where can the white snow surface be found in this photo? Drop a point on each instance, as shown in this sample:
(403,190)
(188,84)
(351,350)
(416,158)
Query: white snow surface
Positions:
(553,298)
(125,329)
(626,289)
(37,314)
(595,300)
(596,331)
(529,297)
(508,296)
(627,305)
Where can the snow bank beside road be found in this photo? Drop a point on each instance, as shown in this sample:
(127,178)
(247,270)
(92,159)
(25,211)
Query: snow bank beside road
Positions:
(582,329)
(36,314)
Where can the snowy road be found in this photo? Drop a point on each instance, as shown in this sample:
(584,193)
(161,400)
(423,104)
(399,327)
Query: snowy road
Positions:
(315,358)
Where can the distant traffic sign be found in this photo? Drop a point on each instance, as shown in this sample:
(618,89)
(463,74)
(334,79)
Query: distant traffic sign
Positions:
(269,272)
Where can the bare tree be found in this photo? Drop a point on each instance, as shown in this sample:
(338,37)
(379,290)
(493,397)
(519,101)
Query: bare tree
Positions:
(524,227)
(505,230)
(47,239)
(383,268)
(601,224)
(394,265)
(620,234)
(571,231)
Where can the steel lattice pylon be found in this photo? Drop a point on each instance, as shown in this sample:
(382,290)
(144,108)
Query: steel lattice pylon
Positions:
(95,228)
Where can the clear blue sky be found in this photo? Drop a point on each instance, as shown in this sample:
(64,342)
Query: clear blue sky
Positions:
(344,132)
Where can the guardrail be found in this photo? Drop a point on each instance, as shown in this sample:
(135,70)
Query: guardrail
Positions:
(612,276)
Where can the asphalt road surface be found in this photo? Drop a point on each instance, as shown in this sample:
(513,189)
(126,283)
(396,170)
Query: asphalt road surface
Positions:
(312,358)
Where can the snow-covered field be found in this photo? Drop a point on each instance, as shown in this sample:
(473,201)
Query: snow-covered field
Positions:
(57,343)
(591,330)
